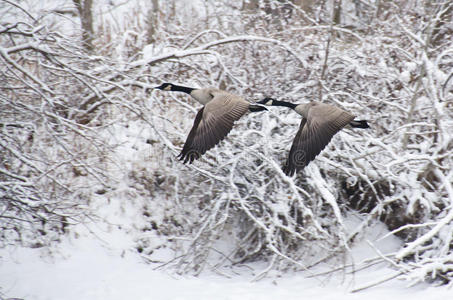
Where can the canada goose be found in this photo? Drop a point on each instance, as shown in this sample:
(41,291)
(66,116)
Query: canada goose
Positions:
(319,124)
(213,121)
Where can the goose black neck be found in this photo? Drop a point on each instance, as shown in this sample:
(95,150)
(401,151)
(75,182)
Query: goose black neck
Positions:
(283,103)
(180,88)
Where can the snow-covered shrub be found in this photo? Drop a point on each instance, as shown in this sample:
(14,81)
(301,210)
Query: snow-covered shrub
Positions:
(387,62)
(398,170)
(51,157)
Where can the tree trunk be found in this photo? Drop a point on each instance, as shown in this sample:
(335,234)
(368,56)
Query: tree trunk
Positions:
(336,12)
(86,20)
(305,5)
(152,21)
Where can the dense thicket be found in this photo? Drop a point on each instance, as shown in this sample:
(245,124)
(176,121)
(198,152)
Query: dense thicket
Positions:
(76,121)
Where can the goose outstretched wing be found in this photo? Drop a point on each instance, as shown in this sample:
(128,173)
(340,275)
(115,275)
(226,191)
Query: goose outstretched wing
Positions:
(212,124)
(314,133)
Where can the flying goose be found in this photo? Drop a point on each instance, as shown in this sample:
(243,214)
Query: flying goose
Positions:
(213,121)
(319,124)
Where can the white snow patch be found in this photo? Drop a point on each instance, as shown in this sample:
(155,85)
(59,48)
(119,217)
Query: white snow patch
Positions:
(94,264)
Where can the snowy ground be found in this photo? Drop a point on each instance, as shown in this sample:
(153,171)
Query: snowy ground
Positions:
(95,267)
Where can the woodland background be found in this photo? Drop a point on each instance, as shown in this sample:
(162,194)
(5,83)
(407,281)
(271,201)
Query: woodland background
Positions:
(81,130)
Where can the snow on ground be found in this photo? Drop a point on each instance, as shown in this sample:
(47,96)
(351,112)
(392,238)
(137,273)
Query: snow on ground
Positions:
(95,266)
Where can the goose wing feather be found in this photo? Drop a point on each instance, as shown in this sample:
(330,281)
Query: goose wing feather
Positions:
(212,124)
(314,133)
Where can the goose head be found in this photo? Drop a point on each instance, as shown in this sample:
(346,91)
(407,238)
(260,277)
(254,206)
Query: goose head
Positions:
(165,87)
